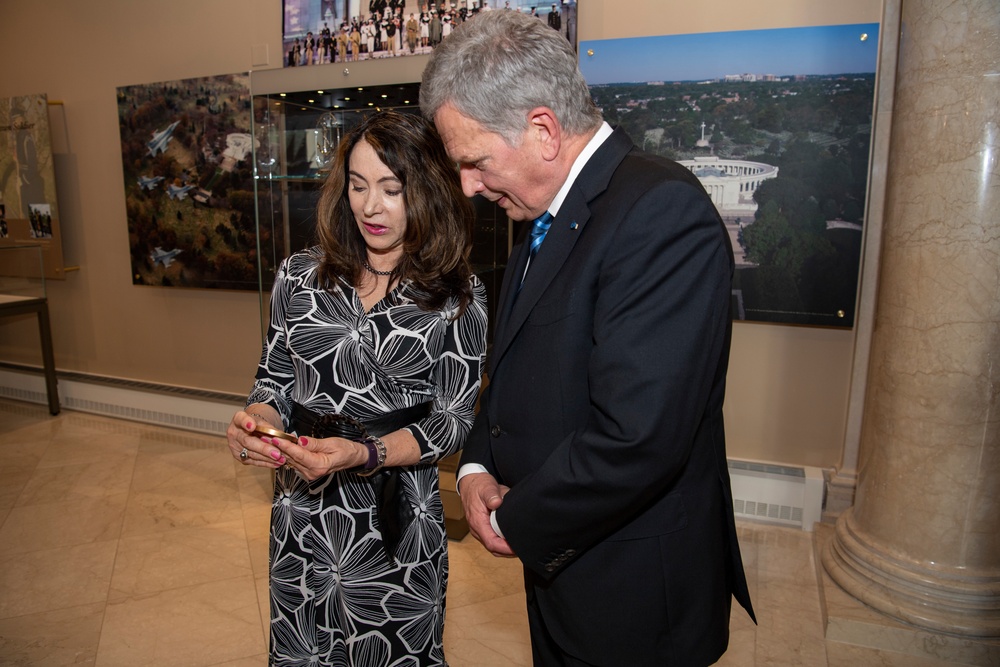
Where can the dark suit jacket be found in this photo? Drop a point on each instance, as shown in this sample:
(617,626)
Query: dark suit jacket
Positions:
(604,415)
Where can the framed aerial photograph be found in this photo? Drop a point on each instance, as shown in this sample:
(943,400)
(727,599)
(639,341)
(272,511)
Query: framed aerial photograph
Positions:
(321,32)
(776,124)
(189,193)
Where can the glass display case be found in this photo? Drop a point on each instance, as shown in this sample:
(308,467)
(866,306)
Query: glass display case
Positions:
(22,272)
(296,136)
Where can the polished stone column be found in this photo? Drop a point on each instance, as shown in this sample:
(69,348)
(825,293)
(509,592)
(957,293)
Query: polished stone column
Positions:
(922,541)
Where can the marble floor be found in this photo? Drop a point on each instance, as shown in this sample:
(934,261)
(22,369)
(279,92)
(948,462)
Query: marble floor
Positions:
(128,544)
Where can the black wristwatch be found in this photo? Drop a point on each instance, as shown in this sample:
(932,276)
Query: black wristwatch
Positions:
(376,455)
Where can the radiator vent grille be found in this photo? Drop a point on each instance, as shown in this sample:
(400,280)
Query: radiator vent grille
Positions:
(20,394)
(177,407)
(772,493)
(146,416)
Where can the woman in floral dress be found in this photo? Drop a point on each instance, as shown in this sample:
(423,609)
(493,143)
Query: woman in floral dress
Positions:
(382,321)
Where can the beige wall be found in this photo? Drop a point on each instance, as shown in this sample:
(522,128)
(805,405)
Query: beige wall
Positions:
(79,53)
(788,385)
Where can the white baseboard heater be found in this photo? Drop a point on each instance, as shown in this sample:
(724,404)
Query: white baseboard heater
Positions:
(778,494)
(189,409)
(768,492)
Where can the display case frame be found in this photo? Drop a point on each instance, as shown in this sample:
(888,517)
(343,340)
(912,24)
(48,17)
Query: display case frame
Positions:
(295,137)
(297,123)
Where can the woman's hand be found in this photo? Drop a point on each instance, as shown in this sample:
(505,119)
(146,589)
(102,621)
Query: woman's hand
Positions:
(317,457)
(248,448)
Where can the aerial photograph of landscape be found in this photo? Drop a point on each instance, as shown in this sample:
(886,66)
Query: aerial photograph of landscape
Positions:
(189,193)
(776,124)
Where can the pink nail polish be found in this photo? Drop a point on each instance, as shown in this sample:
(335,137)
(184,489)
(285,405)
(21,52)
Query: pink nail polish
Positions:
(275,455)
(249,426)
(303,441)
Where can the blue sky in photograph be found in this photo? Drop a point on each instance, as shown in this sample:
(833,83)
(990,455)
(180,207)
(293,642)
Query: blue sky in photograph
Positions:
(834,49)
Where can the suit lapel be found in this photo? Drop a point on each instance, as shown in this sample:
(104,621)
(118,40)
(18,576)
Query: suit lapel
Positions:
(508,288)
(562,236)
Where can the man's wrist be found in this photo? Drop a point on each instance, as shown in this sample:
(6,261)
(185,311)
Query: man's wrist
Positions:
(468,469)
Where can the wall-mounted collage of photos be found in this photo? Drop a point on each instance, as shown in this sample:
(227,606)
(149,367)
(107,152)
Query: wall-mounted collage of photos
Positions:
(321,32)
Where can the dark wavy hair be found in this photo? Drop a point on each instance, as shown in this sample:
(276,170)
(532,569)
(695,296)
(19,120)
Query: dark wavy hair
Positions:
(439,217)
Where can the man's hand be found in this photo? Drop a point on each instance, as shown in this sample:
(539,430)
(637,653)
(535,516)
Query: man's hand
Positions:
(481,494)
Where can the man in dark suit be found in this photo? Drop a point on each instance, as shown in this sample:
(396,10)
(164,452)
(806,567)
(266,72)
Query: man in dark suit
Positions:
(598,456)
(554,20)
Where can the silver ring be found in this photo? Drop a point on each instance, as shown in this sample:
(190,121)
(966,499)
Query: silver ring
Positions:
(244,454)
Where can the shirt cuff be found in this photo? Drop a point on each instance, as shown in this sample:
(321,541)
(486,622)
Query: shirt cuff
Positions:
(468,469)
(496,527)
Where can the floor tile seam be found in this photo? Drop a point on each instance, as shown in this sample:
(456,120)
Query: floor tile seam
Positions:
(900,656)
(73,502)
(139,597)
(111,576)
(59,547)
(56,610)
(235,572)
(192,543)
(229,662)
(255,577)
(452,606)
(116,650)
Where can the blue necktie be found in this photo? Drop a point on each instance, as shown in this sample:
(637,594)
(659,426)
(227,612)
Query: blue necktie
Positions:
(538,231)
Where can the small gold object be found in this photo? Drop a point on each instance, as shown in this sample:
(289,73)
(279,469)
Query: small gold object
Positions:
(275,433)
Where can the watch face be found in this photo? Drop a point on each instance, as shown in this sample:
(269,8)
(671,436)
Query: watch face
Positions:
(275,433)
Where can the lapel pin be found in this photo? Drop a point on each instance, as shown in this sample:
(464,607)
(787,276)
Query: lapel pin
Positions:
(574,226)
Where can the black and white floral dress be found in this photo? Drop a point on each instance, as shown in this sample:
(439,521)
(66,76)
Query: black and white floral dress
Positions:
(335,597)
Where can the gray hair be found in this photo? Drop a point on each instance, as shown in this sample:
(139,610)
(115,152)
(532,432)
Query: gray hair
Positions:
(499,65)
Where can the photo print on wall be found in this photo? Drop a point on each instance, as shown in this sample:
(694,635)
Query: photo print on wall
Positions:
(776,124)
(189,191)
(322,32)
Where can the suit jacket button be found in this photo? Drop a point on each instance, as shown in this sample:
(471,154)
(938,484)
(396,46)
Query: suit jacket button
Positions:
(550,568)
(495,431)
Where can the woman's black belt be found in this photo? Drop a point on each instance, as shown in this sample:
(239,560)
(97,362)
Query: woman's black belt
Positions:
(333,425)
(393,513)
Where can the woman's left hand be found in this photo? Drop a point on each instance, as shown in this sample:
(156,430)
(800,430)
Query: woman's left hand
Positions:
(313,458)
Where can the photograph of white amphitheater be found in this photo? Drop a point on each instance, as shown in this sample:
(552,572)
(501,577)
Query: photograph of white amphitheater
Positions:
(776,124)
